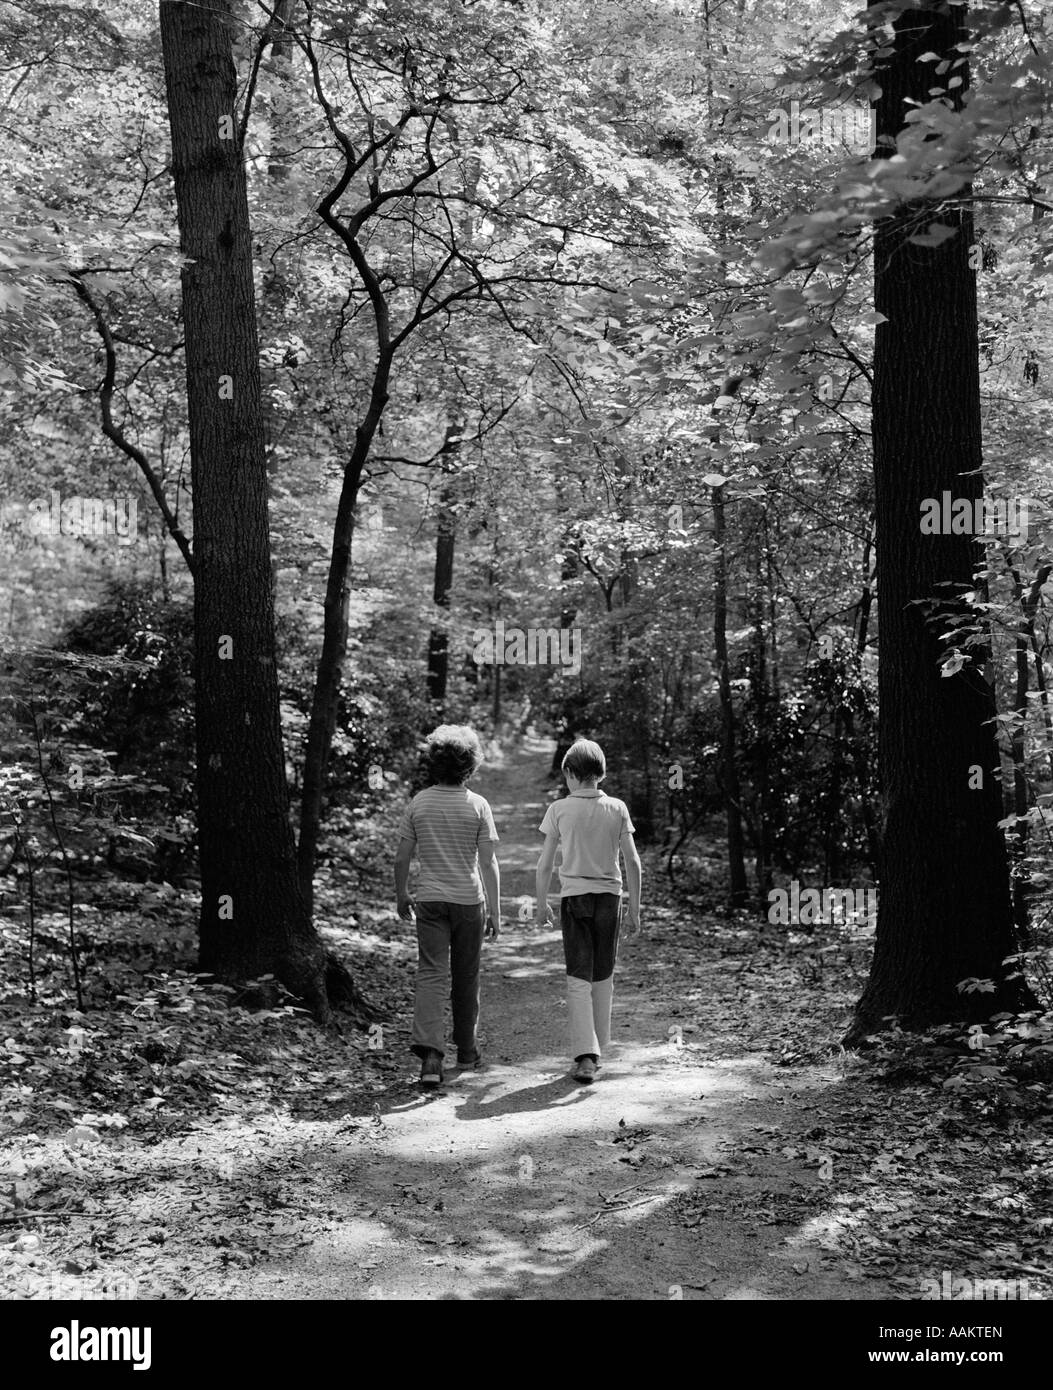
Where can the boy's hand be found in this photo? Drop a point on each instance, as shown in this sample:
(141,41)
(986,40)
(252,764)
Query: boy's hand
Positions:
(631,922)
(543,914)
(493,928)
(405,909)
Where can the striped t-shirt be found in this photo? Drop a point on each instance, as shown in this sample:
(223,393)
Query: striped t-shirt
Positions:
(447,825)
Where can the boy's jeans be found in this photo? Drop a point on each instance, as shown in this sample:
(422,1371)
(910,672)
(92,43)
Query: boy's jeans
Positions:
(589,922)
(447,934)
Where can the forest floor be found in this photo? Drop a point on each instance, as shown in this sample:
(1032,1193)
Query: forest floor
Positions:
(728,1150)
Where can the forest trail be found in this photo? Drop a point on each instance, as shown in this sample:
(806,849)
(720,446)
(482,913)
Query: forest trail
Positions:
(518,1183)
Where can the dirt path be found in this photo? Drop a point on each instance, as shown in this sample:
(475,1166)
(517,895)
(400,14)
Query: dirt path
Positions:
(516,1182)
(199,1152)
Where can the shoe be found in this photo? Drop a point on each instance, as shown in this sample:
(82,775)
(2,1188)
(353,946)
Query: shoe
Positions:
(470,1061)
(431,1070)
(584,1068)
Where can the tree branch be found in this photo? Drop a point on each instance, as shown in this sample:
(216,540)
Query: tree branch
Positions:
(113,431)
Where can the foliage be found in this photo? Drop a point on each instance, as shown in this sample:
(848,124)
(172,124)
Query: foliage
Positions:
(140,711)
(1000,1074)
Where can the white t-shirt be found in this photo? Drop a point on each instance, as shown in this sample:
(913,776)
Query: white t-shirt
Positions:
(590,825)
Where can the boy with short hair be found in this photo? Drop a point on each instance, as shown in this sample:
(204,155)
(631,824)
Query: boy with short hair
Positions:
(452,831)
(590,828)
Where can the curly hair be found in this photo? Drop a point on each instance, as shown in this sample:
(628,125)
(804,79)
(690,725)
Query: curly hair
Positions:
(453,754)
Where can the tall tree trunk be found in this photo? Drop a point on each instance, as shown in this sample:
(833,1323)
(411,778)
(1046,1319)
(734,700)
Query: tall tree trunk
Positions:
(275,289)
(446,532)
(857,745)
(1021,800)
(253,918)
(633,719)
(832,818)
(944,906)
(762,705)
(493,581)
(445,546)
(326,697)
(569,572)
(325,700)
(732,791)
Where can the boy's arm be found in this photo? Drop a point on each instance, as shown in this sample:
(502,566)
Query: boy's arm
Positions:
(490,873)
(403,859)
(634,875)
(543,879)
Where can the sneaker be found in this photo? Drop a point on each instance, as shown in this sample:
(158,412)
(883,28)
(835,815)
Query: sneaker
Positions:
(469,1061)
(431,1070)
(584,1068)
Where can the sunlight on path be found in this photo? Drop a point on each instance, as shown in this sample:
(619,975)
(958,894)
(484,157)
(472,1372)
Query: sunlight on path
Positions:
(516,1181)
(518,789)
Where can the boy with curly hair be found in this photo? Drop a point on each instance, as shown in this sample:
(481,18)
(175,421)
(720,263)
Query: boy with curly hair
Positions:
(451,830)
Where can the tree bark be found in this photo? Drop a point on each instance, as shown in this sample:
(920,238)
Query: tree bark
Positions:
(762,705)
(633,711)
(445,546)
(569,571)
(944,906)
(253,918)
(1021,799)
(326,697)
(732,791)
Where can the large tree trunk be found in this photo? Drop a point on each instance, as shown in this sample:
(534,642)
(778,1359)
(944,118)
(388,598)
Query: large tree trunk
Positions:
(729,772)
(944,906)
(253,917)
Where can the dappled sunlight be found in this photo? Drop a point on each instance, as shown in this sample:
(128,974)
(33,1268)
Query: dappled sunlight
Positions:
(497,408)
(669,1177)
(569,1108)
(532,970)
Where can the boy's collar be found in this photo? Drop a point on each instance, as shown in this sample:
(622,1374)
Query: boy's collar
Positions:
(587,791)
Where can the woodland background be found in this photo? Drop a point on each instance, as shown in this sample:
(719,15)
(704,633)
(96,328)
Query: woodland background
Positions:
(395,321)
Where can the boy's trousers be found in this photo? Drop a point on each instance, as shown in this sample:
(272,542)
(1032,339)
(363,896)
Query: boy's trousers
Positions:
(448,935)
(589,922)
